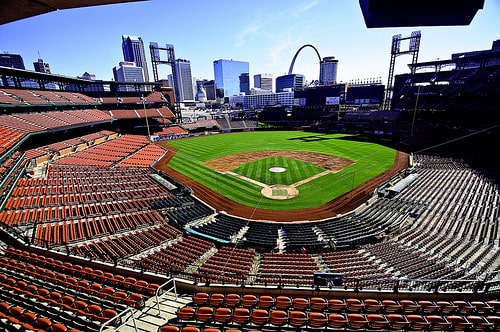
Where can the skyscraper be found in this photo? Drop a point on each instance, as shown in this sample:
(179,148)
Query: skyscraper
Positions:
(263,81)
(245,83)
(128,72)
(328,70)
(210,89)
(227,75)
(133,51)
(184,79)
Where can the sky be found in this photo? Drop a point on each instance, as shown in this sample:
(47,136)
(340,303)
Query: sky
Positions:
(265,33)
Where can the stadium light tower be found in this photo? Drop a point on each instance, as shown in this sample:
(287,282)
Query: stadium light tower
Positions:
(413,48)
(156,60)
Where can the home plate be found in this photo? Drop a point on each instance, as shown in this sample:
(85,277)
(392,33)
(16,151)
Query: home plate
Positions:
(279,191)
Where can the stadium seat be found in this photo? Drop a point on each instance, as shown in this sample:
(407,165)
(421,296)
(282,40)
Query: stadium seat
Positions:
(204,314)
(418,322)
(43,323)
(377,322)
(169,328)
(249,300)
(297,319)
(336,305)
(283,302)
(459,323)
(495,320)
(259,317)
(58,327)
(28,319)
(241,316)
(300,303)
(266,302)
(222,315)
(190,329)
(438,322)
(397,321)
(480,323)
(185,313)
(428,307)
(409,306)
(317,319)
(446,307)
(108,314)
(390,306)
(463,307)
(232,300)
(482,307)
(372,306)
(354,305)
(278,317)
(356,321)
(216,299)
(15,314)
(200,298)
(318,304)
(337,321)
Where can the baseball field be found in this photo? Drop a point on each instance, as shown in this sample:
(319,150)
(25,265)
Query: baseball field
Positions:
(279,170)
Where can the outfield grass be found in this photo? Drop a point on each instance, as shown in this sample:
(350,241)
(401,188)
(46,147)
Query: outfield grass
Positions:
(369,160)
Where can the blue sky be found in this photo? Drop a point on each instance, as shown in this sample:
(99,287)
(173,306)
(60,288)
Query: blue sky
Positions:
(267,34)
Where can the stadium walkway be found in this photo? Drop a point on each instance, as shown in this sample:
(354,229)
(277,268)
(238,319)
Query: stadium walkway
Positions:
(150,319)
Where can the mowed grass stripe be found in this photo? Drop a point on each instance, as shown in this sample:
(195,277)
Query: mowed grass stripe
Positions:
(295,170)
(370,160)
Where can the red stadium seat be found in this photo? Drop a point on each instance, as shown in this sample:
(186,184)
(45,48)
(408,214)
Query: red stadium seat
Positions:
(337,321)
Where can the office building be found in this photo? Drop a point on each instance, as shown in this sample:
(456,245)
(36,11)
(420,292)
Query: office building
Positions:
(128,72)
(328,70)
(12,61)
(184,79)
(245,83)
(41,66)
(291,82)
(263,100)
(133,51)
(210,89)
(227,75)
(263,81)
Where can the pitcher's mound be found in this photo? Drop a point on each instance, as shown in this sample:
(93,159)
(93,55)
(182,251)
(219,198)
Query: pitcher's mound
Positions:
(279,191)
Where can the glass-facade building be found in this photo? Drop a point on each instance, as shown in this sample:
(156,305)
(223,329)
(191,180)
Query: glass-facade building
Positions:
(133,51)
(328,70)
(184,79)
(11,61)
(227,75)
(292,82)
(245,83)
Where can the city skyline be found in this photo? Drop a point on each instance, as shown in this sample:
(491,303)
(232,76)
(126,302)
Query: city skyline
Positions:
(267,35)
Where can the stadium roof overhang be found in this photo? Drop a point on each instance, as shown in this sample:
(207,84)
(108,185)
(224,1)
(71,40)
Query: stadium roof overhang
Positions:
(411,13)
(16,10)
(460,62)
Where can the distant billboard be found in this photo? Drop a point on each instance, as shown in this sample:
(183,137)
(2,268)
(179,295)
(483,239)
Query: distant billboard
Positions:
(299,102)
(332,101)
